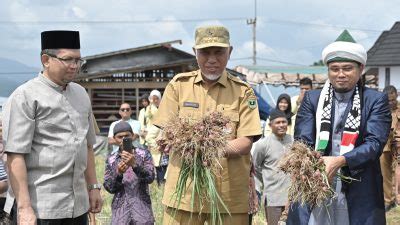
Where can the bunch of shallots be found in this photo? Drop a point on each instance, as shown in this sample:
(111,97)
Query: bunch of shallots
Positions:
(309,183)
(200,145)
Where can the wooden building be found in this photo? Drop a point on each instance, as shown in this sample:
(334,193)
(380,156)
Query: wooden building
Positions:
(124,76)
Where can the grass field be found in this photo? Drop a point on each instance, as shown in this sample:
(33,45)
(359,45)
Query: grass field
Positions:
(393,217)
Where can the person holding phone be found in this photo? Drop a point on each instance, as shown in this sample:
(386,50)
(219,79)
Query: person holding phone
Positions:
(128,173)
(125,112)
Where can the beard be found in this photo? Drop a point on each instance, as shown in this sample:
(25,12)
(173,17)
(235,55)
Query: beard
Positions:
(212,77)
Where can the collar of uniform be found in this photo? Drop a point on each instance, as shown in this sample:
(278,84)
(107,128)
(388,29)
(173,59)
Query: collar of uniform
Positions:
(50,83)
(223,80)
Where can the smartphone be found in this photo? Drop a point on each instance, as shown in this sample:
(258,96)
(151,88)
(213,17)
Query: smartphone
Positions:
(127,145)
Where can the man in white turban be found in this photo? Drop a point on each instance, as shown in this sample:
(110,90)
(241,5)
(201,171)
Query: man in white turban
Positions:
(344,49)
(349,124)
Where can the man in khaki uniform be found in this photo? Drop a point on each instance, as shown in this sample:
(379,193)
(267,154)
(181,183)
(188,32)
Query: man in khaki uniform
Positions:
(387,158)
(196,93)
(397,157)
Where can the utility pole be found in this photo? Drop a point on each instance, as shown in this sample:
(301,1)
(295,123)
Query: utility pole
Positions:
(254,23)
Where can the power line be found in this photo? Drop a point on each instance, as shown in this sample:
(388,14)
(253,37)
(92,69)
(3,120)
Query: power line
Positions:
(18,73)
(253,22)
(277,21)
(8,22)
(319,25)
(94,22)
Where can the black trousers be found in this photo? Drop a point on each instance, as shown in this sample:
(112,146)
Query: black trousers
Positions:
(80,220)
(160,174)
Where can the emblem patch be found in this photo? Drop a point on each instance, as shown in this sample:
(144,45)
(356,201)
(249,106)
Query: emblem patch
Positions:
(252,103)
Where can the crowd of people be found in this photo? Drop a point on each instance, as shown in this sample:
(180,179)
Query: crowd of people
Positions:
(48,136)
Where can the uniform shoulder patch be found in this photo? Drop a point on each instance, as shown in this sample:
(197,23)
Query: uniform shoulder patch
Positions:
(252,102)
(251,98)
(237,80)
(184,75)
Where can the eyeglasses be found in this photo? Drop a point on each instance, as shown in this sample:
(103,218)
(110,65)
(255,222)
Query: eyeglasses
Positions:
(344,69)
(125,109)
(70,61)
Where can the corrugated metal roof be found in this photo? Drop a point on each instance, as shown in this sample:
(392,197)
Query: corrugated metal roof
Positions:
(291,75)
(281,75)
(289,69)
(138,59)
(386,50)
(129,50)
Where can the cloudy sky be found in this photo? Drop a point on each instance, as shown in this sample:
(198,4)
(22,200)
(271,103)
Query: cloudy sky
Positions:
(293,32)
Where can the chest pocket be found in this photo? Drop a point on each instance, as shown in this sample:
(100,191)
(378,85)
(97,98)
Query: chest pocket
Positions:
(190,113)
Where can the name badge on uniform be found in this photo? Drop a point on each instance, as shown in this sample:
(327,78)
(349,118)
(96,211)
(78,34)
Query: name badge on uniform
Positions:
(191,104)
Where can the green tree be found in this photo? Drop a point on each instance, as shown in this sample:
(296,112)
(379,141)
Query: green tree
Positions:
(318,63)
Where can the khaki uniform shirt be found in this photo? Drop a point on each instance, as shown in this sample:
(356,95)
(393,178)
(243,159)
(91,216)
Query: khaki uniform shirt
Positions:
(293,102)
(185,95)
(152,133)
(53,128)
(394,133)
(143,124)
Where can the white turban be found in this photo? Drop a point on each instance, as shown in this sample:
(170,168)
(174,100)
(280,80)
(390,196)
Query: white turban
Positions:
(345,50)
(155,93)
